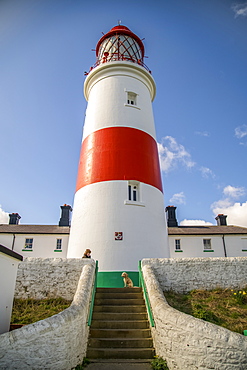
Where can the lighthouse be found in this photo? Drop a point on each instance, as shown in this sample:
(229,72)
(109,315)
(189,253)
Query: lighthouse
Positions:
(118,210)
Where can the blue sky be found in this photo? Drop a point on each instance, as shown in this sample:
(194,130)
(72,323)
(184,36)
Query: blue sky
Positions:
(197,51)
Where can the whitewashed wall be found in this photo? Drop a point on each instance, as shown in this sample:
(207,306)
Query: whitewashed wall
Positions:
(51,277)
(192,246)
(44,245)
(190,343)
(57,343)
(185,274)
(8,271)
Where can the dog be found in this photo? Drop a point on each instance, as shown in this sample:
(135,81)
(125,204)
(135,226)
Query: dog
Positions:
(127,281)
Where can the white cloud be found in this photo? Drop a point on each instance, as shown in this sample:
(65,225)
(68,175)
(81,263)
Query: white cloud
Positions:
(202,133)
(240,9)
(206,172)
(194,223)
(233,192)
(236,213)
(173,153)
(178,198)
(4,216)
(241,131)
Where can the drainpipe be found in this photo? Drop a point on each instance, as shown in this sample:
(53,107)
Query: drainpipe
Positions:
(13,242)
(224,244)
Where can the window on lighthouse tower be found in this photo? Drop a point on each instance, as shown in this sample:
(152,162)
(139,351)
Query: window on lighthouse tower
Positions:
(133,192)
(131,98)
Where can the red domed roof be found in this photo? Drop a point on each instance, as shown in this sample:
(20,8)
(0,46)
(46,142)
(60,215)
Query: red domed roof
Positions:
(118,30)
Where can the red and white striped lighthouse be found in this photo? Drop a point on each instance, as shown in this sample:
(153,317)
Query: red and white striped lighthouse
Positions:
(118,208)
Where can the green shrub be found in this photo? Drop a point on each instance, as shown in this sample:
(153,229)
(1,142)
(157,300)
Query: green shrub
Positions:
(159,364)
(84,363)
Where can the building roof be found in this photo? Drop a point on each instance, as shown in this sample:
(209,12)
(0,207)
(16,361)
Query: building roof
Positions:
(206,230)
(10,253)
(179,230)
(34,229)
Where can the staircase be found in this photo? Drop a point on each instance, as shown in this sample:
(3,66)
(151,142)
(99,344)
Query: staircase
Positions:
(120,327)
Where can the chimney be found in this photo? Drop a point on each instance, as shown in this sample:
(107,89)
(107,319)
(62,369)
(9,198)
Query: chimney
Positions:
(171,216)
(221,220)
(65,215)
(14,218)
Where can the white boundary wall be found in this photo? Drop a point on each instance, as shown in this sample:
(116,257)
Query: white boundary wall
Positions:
(40,278)
(185,274)
(187,342)
(58,342)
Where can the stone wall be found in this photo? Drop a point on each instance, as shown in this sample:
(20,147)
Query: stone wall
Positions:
(48,277)
(185,274)
(186,342)
(58,342)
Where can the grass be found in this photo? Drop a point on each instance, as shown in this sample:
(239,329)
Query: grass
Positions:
(223,307)
(28,311)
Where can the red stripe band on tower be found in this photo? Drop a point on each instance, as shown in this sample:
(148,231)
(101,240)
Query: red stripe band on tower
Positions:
(119,153)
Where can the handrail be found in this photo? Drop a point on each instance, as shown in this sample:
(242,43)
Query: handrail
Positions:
(93,295)
(143,286)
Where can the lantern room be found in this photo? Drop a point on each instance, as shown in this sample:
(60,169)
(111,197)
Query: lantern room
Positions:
(120,44)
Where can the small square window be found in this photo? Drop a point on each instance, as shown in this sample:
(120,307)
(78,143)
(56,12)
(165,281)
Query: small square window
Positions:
(29,243)
(59,244)
(207,243)
(177,244)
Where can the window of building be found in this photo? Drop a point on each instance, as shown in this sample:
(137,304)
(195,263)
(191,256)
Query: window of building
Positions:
(177,244)
(59,244)
(29,243)
(131,98)
(207,243)
(133,192)
(244,244)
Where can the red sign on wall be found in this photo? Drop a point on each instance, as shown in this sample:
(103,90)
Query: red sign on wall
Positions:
(118,235)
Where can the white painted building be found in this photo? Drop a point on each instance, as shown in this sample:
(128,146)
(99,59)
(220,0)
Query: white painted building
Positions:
(44,241)
(9,261)
(51,241)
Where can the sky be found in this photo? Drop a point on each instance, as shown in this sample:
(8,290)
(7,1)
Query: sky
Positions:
(197,52)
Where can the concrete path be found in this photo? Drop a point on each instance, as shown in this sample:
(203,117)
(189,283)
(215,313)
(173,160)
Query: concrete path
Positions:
(119,365)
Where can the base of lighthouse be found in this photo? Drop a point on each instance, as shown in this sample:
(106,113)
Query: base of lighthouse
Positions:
(118,231)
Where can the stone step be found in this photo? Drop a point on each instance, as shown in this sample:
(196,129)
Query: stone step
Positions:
(130,353)
(120,333)
(113,324)
(120,343)
(118,295)
(119,290)
(120,309)
(107,316)
(118,302)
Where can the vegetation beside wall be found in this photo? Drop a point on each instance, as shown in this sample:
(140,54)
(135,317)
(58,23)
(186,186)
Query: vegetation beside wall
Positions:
(224,307)
(28,311)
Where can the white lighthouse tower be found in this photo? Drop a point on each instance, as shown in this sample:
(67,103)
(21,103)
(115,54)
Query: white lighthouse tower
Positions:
(118,208)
